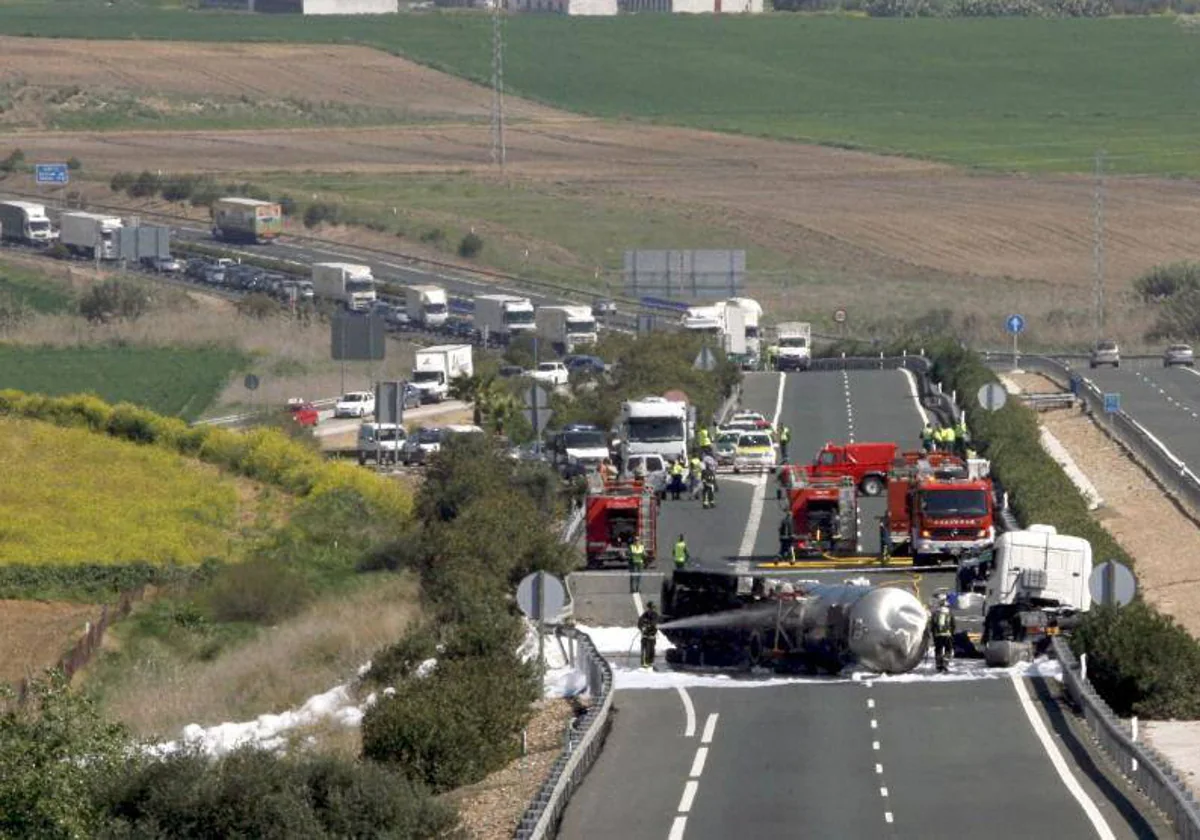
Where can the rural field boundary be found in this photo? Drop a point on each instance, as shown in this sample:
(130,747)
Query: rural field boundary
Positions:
(87,645)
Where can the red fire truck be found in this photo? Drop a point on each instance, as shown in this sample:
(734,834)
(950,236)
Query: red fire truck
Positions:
(821,516)
(938,510)
(615,512)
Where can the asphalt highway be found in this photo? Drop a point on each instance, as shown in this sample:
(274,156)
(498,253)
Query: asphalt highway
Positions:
(1165,401)
(758,757)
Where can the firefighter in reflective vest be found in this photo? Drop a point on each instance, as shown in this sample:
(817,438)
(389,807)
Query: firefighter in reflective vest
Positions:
(708,494)
(703,440)
(785,437)
(927,437)
(637,562)
(942,626)
(680,552)
(948,439)
(648,626)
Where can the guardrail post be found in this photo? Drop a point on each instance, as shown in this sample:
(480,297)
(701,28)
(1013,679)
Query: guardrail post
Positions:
(1133,730)
(1083,667)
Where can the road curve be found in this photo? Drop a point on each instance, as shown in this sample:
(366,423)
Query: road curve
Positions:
(823,758)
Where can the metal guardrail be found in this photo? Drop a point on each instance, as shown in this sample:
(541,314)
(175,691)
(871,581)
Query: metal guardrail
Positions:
(584,741)
(1171,473)
(1144,767)
(235,419)
(1046,402)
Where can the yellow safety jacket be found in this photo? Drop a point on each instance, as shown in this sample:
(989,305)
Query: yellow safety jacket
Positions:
(680,553)
(702,438)
(637,554)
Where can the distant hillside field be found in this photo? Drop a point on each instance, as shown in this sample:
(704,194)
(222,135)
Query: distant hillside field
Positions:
(71,496)
(1010,93)
(176,381)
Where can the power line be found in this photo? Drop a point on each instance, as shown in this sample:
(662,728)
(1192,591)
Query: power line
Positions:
(498,151)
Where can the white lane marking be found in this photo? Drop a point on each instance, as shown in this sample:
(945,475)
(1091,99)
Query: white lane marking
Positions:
(1056,759)
(879,769)
(870,703)
(874,723)
(883,792)
(689,712)
(750,535)
(689,796)
(916,398)
(875,745)
(637,603)
(710,726)
(698,762)
(677,828)
(887,815)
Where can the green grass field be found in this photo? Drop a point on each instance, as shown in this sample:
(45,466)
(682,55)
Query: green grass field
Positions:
(32,290)
(1009,93)
(175,381)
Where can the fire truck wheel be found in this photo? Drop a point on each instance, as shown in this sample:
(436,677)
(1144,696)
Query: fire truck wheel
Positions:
(872,485)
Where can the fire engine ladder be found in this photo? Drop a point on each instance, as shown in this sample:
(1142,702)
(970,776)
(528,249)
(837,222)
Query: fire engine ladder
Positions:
(848,513)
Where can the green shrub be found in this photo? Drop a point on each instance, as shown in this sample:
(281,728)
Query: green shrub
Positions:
(259,591)
(456,725)
(145,185)
(58,251)
(288,205)
(74,164)
(178,188)
(400,660)
(121,181)
(321,212)
(1166,281)
(13,162)
(470,246)
(113,299)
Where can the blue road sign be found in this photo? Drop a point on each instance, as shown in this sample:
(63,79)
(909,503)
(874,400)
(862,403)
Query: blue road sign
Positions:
(51,173)
(1015,324)
(1112,403)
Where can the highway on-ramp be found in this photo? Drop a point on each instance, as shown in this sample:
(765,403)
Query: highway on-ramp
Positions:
(716,756)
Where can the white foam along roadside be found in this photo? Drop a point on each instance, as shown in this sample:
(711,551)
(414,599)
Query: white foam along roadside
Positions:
(1054,448)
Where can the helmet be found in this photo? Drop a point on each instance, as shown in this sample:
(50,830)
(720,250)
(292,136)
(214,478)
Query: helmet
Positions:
(650,605)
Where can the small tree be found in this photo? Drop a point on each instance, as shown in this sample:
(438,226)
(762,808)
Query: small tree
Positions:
(178,188)
(470,246)
(145,185)
(288,205)
(258,306)
(74,164)
(121,181)
(114,299)
(14,161)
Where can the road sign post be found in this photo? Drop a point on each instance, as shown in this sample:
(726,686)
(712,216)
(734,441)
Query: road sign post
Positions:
(541,597)
(1015,324)
(992,397)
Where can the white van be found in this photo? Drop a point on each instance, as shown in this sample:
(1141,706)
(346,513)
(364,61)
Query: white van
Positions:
(381,441)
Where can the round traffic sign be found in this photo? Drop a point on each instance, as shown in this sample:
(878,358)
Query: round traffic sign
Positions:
(992,397)
(1015,324)
(839,316)
(1112,584)
(251,382)
(541,596)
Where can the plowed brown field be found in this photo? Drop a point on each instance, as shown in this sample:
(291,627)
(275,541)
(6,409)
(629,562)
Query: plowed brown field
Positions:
(35,634)
(843,213)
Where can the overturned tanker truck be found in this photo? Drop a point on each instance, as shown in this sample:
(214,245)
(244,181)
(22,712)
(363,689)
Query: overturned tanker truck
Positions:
(729,619)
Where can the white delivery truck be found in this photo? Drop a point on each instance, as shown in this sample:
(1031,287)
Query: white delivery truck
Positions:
(751,314)
(90,235)
(436,367)
(501,317)
(655,426)
(566,328)
(25,222)
(704,320)
(426,306)
(794,347)
(351,285)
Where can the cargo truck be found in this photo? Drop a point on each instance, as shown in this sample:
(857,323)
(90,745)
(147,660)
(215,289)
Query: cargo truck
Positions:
(246,220)
(500,317)
(655,426)
(566,328)
(25,222)
(436,367)
(426,306)
(347,284)
(90,234)
(752,313)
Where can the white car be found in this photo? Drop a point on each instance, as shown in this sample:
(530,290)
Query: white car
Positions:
(755,451)
(355,404)
(551,373)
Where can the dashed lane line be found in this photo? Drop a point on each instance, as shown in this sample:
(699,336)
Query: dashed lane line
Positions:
(692,785)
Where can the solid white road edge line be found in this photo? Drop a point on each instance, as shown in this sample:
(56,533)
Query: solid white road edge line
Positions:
(1060,765)
(916,398)
(677,828)
(759,487)
(710,727)
(689,712)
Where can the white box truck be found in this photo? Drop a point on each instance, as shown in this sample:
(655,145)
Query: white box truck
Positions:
(90,235)
(752,313)
(349,284)
(426,306)
(566,328)
(25,222)
(655,426)
(436,367)
(794,347)
(501,317)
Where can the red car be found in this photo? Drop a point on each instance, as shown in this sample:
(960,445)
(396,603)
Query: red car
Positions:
(303,412)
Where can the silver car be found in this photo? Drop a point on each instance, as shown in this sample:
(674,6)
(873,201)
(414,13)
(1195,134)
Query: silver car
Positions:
(1105,353)
(1179,354)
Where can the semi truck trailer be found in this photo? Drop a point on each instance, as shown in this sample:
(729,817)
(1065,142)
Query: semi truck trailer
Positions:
(503,316)
(566,328)
(348,284)
(89,234)
(246,220)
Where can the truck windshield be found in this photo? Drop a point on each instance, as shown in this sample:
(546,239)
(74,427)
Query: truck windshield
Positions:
(655,429)
(793,341)
(106,235)
(520,316)
(751,332)
(587,326)
(954,502)
(429,436)
(584,440)
(384,435)
(39,225)
(427,376)
(435,309)
(353,286)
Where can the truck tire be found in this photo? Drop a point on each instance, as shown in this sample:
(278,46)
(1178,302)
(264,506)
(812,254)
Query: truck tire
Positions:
(872,485)
(1006,654)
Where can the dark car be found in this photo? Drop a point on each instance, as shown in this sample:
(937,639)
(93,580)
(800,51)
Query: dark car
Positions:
(585,364)
(509,371)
